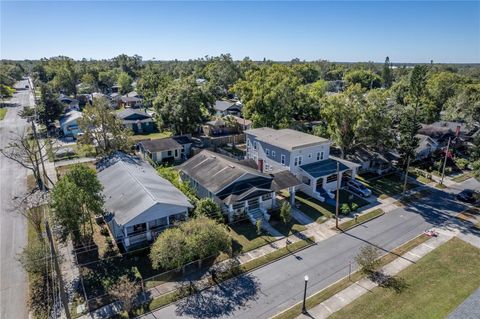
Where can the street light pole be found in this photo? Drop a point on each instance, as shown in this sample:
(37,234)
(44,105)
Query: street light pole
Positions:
(406,177)
(304,308)
(338,195)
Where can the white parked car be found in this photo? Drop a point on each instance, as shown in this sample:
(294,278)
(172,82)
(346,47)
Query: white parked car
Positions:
(359,188)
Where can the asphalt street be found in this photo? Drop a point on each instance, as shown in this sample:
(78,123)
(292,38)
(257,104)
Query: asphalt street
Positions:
(13,227)
(275,287)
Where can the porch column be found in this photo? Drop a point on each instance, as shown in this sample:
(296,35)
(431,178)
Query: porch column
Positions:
(274,199)
(292,195)
(324,182)
(126,240)
(260,201)
(230,213)
(149,233)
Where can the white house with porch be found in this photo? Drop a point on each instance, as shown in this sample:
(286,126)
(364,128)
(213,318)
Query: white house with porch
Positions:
(237,186)
(138,202)
(304,155)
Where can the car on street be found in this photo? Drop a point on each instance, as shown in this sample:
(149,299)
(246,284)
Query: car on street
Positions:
(359,188)
(468,196)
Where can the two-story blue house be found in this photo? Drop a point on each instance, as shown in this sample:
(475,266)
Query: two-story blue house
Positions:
(305,155)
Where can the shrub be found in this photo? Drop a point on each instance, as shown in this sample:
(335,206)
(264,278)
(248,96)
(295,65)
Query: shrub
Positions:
(207,207)
(345,209)
(104,232)
(125,291)
(286,213)
(259,225)
(461,163)
(354,207)
(367,258)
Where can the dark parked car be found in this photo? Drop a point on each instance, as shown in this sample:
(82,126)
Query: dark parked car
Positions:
(468,196)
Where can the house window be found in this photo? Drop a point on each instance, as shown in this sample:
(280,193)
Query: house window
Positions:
(266,166)
(273,153)
(176,153)
(282,159)
(254,145)
(300,158)
(305,180)
(136,229)
(267,151)
(295,163)
(321,156)
(310,155)
(267,196)
(248,143)
(169,153)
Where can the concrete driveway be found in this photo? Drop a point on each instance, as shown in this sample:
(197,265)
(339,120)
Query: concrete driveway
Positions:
(275,287)
(13,230)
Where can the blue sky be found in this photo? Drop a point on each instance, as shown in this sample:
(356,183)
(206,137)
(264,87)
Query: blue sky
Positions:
(336,31)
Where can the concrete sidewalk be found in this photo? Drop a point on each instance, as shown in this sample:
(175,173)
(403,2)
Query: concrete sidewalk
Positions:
(359,288)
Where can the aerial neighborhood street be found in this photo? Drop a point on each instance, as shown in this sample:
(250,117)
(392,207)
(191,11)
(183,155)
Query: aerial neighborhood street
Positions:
(280,185)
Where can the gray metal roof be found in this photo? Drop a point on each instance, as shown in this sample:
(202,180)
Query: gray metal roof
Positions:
(70,117)
(131,187)
(128,112)
(323,168)
(287,139)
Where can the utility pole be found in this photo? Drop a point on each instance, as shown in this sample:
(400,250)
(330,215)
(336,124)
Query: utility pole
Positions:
(63,296)
(445,161)
(406,177)
(337,199)
(45,176)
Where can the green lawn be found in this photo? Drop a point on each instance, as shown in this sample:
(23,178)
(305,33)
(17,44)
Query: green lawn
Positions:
(151,136)
(388,185)
(286,229)
(463,177)
(362,218)
(436,285)
(245,238)
(321,211)
(3,112)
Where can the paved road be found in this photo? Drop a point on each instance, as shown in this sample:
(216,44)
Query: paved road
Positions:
(13,235)
(275,287)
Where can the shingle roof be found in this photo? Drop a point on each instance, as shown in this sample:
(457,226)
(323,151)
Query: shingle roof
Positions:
(214,171)
(223,105)
(323,168)
(132,186)
(161,144)
(182,139)
(286,138)
(128,112)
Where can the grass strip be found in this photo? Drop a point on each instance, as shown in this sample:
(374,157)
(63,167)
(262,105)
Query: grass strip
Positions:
(463,177)
(175,295)
(361,219)
(335,288)
(435,285)
(3,112)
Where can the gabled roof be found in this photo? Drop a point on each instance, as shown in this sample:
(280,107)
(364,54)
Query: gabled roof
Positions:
(127,113)
(221,105)
(161,144)
(183,139)
(70,117)
(132,186)
(127,99)
(323,168)
(425,141)
(242,121)
(287,139)
(361,155)
(232,181)
(215,172)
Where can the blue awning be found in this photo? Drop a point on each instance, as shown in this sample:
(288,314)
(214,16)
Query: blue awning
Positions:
(323,168)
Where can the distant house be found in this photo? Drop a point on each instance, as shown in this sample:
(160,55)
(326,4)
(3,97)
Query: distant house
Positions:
(426,147)
(138,121)
(370,161)
(441,131)
(227,107)
(139,203)
(306,156)
(243,124)
(169,149)
(70,104)
(69,123)
(237,186)
(216,127)
(131,102)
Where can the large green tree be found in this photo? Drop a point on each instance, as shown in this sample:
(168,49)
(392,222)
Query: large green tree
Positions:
(124,81)
(387,73)
(50,108)
(197,238)
(76,199)
(367,79)
(221,72)
(182,106)
(465,105)
(273,96)
(101,127)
